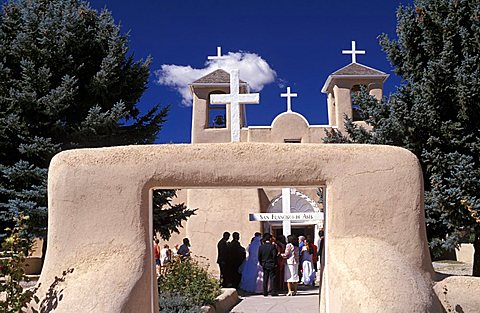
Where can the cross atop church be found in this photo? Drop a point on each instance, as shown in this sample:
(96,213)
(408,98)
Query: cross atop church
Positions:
(235,98)
(216,57)
(353,52)
(289,97)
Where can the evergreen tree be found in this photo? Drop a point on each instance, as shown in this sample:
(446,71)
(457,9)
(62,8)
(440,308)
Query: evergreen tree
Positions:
(67,80)
(435,113)
(168,217)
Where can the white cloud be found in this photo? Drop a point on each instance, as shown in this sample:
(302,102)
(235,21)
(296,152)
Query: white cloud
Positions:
(253,69)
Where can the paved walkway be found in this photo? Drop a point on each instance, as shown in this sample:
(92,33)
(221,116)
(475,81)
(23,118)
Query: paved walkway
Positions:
(306,301)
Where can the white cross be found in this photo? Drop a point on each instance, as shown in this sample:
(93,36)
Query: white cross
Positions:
(353,52)
(289,97)
(235,98)
(286,225)
(218,56)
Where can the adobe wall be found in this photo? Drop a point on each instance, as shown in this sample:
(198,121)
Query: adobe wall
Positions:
(200,130)
(99,218)
(220,210)
(340,99)
(286,126)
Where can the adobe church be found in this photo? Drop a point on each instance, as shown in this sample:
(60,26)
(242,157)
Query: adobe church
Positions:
(107,239)
(217,121)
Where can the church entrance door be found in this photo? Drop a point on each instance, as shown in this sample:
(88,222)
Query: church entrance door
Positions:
(304,230)
(297,230)
(293,201)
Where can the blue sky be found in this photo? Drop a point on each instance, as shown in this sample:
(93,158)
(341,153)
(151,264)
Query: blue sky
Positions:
(301,41)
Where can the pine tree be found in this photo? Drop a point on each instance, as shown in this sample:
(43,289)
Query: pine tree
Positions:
(67,80)
(435,113)
(168,217)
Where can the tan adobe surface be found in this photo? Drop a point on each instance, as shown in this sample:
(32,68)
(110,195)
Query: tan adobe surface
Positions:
(459,294)
(99,219)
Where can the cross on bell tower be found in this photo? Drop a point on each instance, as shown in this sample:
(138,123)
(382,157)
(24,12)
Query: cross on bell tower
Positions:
(353,52)
(235,98)
(344,82)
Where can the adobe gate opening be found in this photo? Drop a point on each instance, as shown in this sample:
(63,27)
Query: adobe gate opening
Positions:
(99,220)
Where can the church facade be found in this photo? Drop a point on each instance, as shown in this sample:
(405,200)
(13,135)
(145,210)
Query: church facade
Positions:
(366,211)
(228,209)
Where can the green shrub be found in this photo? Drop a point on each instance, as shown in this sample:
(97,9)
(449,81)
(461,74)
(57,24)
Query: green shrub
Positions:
(175,303)
(190,279)
(13,253)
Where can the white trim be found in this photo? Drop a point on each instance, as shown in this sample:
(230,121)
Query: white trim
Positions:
(248,127)
(286,216)
(322,126)
(297,193)
(360,76)
(286,204)
(267,127)
(373,69)
(351,77)
(297,224)
(370,68)
(290,112)
(332,76)
(327,83)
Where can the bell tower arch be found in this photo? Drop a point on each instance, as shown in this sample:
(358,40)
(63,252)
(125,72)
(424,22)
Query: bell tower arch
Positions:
(343,83)
(210,122)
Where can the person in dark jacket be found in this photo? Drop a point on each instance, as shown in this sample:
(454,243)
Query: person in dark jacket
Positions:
(222,259)
(184,250)
(267,257)
(236,256)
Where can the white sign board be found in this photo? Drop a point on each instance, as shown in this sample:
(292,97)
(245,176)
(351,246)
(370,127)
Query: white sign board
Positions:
(272,217)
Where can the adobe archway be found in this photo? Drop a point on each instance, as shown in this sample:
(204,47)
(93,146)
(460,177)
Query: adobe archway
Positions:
(99,218)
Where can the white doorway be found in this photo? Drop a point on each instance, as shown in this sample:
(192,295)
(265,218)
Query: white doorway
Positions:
(298,202)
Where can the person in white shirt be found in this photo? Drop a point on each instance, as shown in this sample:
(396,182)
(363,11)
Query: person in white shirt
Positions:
(165,255)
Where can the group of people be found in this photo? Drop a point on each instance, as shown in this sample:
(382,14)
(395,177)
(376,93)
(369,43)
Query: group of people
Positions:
(265,266)
(231,256)
(271,262)
(165,255)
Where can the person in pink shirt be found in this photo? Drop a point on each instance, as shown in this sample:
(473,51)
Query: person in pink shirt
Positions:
(292,256)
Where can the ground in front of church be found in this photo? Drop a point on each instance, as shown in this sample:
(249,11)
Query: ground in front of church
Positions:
(305,301)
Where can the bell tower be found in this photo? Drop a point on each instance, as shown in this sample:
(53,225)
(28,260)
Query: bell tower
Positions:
(211,122)
(343,83)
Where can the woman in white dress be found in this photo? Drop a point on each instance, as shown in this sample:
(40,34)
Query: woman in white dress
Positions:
(291,270)
(307,264)
(252,273)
